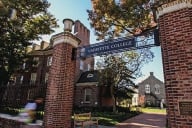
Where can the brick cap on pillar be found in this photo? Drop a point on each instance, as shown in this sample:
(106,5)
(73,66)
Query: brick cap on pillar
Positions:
(173,6)
(65,37)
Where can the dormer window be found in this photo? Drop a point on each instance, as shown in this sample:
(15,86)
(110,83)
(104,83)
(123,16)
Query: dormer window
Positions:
(89,75)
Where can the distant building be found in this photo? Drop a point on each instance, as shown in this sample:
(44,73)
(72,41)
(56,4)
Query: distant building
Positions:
(135,98)
(151,91)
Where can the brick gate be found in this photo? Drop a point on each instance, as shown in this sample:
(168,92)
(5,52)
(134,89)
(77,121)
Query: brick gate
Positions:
(59,98)
(175,25)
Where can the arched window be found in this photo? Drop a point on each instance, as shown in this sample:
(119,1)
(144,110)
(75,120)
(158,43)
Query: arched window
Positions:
(147,88)
(157,89)
(87,95)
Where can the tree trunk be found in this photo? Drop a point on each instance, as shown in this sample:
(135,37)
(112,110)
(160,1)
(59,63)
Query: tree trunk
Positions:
(113,98)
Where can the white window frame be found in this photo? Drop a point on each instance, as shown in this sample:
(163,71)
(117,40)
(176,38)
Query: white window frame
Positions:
(87,95)
(81,65)
(49,60)
(89,75)
(157,89)
(21,79)
(88,67)
(46,77)
(24,65)
(147,88)
(33,78)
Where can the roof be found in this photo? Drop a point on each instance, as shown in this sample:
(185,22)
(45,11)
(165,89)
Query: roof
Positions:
(88,76)
(151,79)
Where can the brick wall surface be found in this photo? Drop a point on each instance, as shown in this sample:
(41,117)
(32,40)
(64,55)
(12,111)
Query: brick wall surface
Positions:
(59,100)
(80,92)
(83,33)
(176,42)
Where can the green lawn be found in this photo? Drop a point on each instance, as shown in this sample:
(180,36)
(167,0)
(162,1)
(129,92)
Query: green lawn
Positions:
(110,118)
(153,110)
(105,118)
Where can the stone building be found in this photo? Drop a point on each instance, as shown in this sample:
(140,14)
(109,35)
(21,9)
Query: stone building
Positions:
(151,91)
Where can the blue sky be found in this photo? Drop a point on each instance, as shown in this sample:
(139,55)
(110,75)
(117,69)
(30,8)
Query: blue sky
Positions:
(76,10)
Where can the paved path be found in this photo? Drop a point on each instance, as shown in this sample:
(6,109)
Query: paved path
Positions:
(145,120)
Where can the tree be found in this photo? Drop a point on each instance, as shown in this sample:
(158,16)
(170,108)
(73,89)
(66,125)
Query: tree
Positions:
(123,17)
(31,20)
(118,72)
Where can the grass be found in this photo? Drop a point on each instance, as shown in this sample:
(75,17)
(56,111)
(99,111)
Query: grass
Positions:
(111,119)
(153,110)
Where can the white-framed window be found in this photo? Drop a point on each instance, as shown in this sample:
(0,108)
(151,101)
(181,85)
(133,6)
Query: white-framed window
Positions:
(81,64)
(49,60)
(157,89)
(134,100)
(33,78)
(21,79)
(87,95)
(24,65)
(46,77)
(82,53)
(147,88)
(36,61)
(88,67)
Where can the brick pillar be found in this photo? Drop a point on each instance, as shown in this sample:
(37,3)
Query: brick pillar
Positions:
(59,98)
(175,25)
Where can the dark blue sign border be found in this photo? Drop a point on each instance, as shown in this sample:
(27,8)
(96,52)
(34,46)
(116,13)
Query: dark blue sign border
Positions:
(105,47)
(120,45)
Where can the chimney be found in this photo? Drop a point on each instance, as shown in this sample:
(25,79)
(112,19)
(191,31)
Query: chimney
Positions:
(151,73)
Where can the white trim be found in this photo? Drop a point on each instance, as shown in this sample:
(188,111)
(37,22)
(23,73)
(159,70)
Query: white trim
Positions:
(173,6)
(87,92)
(87,84)
(90,75)
(65,38)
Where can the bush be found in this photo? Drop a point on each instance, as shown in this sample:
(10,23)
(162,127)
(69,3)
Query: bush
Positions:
(10,111)
(123,109)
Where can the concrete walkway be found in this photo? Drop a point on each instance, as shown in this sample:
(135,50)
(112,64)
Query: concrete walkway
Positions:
(145,120)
